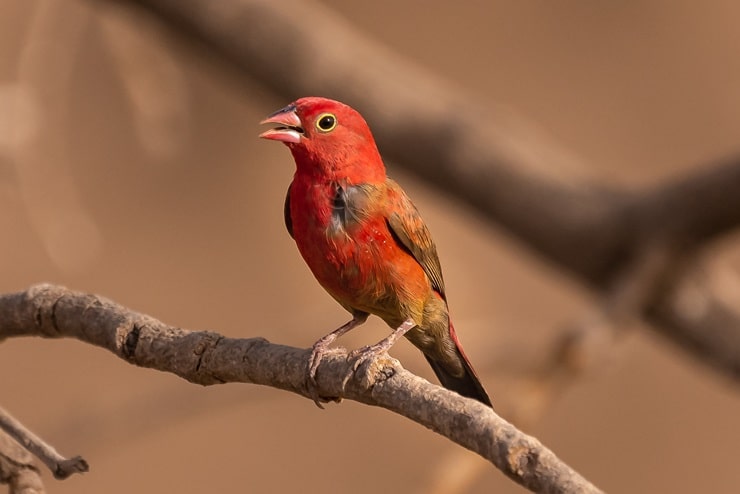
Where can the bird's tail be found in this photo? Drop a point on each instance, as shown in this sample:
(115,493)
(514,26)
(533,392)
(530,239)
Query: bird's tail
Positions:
(468,383)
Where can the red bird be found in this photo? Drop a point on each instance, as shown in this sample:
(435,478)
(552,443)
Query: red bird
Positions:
(364,240)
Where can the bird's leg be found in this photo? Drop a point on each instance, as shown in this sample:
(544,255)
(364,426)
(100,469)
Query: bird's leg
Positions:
(382,346)
(322,345)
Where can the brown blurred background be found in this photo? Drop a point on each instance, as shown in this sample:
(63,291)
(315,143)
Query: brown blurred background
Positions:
(130,167)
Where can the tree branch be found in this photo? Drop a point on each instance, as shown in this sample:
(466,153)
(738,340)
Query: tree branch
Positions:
(17,469)
(60,466)
(207,358)
(695,318)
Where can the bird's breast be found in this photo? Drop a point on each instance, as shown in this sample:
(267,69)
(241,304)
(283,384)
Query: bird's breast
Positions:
(342,235)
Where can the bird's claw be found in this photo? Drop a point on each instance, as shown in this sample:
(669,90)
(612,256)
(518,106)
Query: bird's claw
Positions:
(359,352)
(319,349)
(362,355)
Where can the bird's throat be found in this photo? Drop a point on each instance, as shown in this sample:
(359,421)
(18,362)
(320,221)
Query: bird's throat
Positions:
(346,166)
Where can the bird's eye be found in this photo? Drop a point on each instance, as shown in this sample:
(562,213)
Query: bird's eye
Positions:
(326,122)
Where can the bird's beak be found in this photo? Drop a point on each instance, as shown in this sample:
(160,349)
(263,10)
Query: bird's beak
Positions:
(289,127)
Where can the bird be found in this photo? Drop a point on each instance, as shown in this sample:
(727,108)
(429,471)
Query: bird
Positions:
(365,241)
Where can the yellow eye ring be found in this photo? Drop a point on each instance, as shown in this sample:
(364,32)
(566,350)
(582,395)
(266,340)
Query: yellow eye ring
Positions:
(326,122)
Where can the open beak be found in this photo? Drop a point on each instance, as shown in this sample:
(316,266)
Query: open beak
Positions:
(289,127)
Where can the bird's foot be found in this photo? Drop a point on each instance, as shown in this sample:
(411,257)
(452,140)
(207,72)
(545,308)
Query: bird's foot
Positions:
(363,354)
(318,351)
(321,348)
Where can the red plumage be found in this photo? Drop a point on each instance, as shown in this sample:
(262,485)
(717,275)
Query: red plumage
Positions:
(364,240)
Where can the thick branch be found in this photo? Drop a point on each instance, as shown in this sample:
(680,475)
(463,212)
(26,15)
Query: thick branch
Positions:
(693,208)
(208,358)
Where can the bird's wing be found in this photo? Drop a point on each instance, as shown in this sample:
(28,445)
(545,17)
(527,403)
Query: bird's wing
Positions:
(412,234)
(286,213)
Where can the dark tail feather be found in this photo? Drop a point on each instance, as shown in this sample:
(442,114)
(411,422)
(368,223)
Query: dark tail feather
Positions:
(467,385)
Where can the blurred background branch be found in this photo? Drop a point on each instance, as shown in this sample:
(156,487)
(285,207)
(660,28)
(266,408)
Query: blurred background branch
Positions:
(490,158)
(45,70)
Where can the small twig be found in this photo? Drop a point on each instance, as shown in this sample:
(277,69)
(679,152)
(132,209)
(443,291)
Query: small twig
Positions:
(208,358)
(696,318)
(60,466)
(17,468)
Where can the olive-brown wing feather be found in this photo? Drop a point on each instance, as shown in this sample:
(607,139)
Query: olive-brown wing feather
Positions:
(406,225)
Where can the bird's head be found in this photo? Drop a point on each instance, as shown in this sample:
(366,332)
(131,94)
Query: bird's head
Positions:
(327,138)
